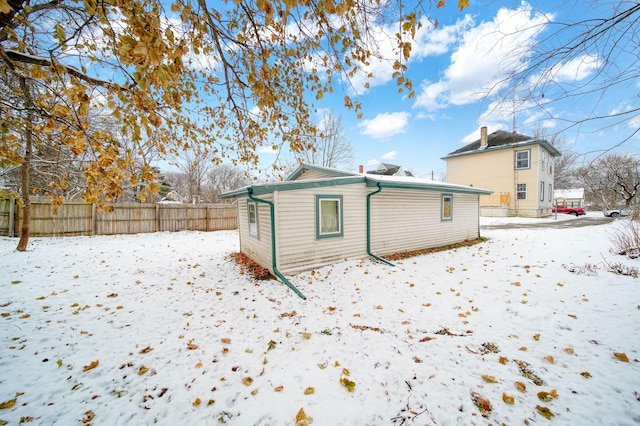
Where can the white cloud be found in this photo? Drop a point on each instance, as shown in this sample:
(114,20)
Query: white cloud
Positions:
(268,149)
(385,125)
(391,155)
(485,56)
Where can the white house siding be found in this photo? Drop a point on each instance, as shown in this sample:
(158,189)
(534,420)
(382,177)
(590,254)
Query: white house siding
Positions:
(404,220)
(312,174)
(297,246)
(258,249)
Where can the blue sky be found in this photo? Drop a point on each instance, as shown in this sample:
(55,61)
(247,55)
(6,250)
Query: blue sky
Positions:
(453,68)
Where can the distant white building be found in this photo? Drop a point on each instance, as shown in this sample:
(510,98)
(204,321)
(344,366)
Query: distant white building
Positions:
(573,197)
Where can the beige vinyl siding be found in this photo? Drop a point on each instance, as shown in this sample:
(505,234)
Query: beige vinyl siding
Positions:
(405,220)
(297,246)
(495,170)
(312,174)
(258,249)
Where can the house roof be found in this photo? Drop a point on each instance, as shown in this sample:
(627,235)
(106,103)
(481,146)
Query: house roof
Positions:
(347,178)
(388,170)
(569,193)
(502,140)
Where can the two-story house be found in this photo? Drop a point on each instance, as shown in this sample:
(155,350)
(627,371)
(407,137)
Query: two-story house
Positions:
(517,168)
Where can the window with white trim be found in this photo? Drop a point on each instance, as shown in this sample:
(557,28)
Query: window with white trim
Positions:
(252,214)
(521,191)
(523,159)
(550,192)
(541,191)
(446,208)
(328,216)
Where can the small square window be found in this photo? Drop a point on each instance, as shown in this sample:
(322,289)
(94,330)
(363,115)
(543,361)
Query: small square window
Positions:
(446,212)
(522,159)
(521,191)
(328,216)
(252,214)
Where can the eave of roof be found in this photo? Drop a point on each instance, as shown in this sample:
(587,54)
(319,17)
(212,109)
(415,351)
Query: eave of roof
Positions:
(499,140)
(400,182)
(320,169)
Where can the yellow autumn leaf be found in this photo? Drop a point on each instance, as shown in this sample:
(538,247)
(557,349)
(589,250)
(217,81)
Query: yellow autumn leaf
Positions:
(549,358)
(196,402)
(254,392)
(142,370)
(278,388)
(225,340)
(91,365)
(621,356)
(463,4)
(4,7)
(503,360)
(569,350)
(302,419)
(247,381)
(489,379)
(7,404)
(536,336)
(586,374)
(508,399)
(544,412)
(521,387)
(545,396)
(309,391)
(192,346)
(351,386)
(146,350)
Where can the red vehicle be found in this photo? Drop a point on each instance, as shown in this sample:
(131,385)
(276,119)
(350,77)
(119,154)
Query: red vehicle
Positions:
(563,208)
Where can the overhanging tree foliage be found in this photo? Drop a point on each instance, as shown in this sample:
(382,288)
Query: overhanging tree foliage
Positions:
(227,76)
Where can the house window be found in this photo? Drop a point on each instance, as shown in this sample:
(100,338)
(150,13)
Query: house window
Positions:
(521,191)
(252,214)
(541,191)
(550,191)
(522,159)
(328,216)
(446,212)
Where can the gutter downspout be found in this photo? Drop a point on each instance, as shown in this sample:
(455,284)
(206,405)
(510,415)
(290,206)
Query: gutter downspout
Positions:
(273,243)
(369,227)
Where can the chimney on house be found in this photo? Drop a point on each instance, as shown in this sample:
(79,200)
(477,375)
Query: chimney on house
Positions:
(483,136)
(361,169)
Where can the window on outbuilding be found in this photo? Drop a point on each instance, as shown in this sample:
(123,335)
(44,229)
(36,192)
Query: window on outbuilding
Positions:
(252,214)
(328,216)
(523,159)
(521,191)
(446,210)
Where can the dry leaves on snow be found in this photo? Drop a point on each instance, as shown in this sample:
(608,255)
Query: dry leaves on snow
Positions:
(91,365)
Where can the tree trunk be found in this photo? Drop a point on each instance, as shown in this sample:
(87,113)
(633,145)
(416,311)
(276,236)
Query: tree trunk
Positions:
(25,171)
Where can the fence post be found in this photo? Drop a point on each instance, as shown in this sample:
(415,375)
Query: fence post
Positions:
(94,220)
(157,218)
(12,218)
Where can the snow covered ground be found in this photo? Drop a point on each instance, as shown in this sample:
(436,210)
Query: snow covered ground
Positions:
(163,328)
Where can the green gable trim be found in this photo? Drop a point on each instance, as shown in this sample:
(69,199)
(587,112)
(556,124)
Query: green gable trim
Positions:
(428,187)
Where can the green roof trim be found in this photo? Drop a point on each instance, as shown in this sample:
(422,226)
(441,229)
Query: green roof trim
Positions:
(431,186)
(292,186)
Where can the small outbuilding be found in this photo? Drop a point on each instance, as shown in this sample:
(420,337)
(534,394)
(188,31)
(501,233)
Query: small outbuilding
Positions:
(318,216)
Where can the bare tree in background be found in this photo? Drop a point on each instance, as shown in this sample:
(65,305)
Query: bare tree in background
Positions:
(612,179)
(225,178)
(564,166)
(604,51)
(331,148)
(195,164)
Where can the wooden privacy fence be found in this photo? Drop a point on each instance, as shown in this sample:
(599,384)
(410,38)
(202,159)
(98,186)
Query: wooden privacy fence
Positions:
(77,218)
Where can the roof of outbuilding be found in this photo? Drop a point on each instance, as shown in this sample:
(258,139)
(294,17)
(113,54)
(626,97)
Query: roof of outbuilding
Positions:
(502,140)
(346,178)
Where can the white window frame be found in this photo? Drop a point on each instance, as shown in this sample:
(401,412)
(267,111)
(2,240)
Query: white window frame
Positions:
(518,160)
(446,198)
(320,199)
(254,228)
(541,190)
(521,188)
